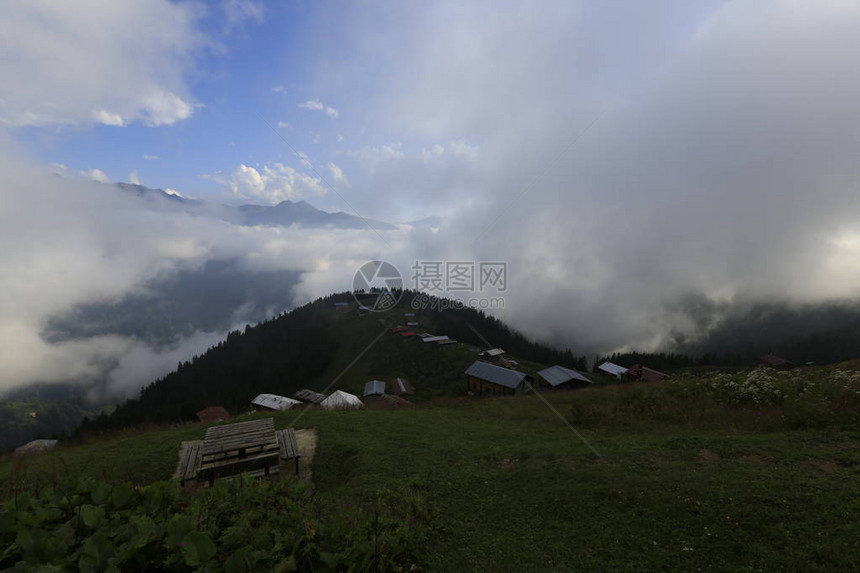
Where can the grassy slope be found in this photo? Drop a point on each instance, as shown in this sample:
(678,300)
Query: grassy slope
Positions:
(510,487)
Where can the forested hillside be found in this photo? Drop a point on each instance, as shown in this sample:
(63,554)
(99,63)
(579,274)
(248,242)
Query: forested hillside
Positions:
(315,345)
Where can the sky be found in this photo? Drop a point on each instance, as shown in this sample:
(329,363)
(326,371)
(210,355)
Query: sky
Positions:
(623,159)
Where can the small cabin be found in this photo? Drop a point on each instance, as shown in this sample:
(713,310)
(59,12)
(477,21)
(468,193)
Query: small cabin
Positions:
(639,373)
(374,388)
(561,378)
(484,378)
(213,414)
(776,362)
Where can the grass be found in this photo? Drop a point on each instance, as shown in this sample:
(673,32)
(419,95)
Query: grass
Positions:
(685,480)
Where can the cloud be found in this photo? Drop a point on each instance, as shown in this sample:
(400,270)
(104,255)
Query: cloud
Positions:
(151,157)
(133,178)
(272,183)
(97,175)
(317,105)
(619,170)
(337,174)
(283,125)
(312,104)
(114,65)
(278,89)
(239,13)
(74,245)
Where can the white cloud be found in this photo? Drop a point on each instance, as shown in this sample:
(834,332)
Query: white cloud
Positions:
(133,178)
(283,125)
(278,89)
(312,104)
(339,138)
(107,118)
(373,156)
(106,63)
(238,13)
(151,157)
(337,174)
(173,192)
(96,175)
(318,105)
(272,183)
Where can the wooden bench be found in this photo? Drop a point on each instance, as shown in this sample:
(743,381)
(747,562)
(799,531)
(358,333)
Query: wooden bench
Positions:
(237,448)
(287,446)
(189,465)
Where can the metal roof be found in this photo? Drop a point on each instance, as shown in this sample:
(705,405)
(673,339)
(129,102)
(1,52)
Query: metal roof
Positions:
(274,402)
(444,342)
(435,338)
(374,388)
(611,368)
(401,386)
(495,374)
(556,375)
(306,395)
(341,399)
(494,352)
(35,447)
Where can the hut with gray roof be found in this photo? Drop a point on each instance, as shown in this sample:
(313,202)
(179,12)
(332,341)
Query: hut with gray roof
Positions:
(561,378)
(484,378)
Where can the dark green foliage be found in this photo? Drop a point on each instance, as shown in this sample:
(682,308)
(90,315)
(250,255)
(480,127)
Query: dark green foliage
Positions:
(242,525)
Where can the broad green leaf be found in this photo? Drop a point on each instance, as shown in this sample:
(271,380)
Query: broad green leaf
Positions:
(198,549)
(91,515)
(123,496)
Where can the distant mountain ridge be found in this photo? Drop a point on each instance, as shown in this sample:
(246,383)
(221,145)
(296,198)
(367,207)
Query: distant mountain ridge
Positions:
(284,214)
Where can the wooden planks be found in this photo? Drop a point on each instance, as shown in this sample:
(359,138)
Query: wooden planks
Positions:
(190,463)
(236,448)
(288,447)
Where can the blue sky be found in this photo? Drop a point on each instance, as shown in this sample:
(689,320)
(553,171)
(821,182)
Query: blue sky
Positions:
(289,53)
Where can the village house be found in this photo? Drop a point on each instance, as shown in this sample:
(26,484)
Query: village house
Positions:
(639,373)
(484,378)
(213,414)
(776,362)
(611,369)
(309,396)
(402,387)
(273,402)
(374,388)
(561,378)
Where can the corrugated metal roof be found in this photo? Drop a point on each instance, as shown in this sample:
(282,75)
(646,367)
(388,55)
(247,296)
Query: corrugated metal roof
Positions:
(435,338)
(495,374)
(274,402)
(611,368)
(556,375)
(374,388)
(306,395)
(444,342)
(494,352)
